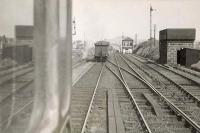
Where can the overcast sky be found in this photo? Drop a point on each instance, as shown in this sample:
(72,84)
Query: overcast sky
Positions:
(100,19)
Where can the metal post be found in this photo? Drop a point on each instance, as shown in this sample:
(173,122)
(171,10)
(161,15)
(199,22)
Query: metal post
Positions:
(132,47)
(154,34)
(65,61)
(53,68)
(135,39)
(151,10)
(46,78)
(150,22)
(122,42)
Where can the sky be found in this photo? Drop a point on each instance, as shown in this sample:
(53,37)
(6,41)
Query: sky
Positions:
(105,19)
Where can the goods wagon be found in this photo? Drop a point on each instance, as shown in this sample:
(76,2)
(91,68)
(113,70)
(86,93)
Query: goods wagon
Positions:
(188,56)
(101,51)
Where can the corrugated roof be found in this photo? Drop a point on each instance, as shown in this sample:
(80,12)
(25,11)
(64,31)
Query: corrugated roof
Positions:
(24,32)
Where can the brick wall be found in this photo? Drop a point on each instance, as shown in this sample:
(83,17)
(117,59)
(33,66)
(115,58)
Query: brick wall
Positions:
(172,49)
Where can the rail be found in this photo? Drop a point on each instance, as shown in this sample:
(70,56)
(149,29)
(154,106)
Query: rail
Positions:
(179,113)
(31,101)
(145,124)
(168,69)
(179,86)
(92,100)
(186,70)
(78,64)
(2,68)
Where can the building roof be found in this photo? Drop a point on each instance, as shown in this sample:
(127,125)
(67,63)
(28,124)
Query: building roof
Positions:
(24,32)
(178,34)
(102,43)
(127,39)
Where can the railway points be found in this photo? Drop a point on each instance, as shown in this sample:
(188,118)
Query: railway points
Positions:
(188,105)
(156,129)
(124,94)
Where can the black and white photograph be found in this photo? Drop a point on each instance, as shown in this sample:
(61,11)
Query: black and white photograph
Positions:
(99,66)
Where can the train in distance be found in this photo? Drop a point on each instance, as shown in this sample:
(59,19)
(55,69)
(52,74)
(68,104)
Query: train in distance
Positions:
(101,51)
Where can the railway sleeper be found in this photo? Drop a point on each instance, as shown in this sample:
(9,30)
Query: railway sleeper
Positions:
(186,123)
(155,107)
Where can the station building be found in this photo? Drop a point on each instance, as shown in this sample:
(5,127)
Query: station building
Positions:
(172,40)
(127,45)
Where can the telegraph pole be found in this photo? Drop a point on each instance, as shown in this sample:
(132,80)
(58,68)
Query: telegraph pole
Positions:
(84,40)
(151,10)
(136,39)
(154,34)
(122,42)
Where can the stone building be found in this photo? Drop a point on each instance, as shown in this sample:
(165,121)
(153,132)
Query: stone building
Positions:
(172,40)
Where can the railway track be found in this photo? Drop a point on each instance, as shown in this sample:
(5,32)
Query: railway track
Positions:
(132,117)
(189,75)
(8,73)
(182,92)
(22,94)
(185,71)
(15,86)
(13,73)
(19,95)
(84,98)
(123,96)
(169,98)
(3,68)
(15,80)
(172,114)
(142,108)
